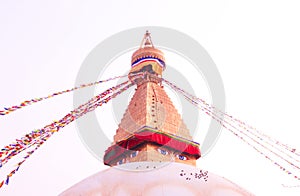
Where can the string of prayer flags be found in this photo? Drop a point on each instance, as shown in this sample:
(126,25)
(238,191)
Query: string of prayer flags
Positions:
(29,139)
(257,140)
(8,110)
(38,137)
(235,120)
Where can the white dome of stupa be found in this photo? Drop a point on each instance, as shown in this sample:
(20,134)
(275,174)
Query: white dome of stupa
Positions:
(152,178)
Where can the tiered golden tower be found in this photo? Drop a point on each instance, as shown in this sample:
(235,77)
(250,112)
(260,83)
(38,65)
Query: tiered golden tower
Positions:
(151,129)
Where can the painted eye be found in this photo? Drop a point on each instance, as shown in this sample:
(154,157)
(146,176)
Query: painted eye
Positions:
(181,157)
(134,154)
(163,152)
(121,162)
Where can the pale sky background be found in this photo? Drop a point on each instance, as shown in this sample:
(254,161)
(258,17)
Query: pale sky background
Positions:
(255,45)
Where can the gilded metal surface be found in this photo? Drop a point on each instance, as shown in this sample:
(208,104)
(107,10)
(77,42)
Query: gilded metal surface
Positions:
(151,107)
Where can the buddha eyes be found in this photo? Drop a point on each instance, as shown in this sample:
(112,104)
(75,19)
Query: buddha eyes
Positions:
(165,152)
(181,157)
(133,154)
(162,151)
(121,162)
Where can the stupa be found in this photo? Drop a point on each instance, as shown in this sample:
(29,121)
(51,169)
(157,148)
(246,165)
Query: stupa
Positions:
(153,152)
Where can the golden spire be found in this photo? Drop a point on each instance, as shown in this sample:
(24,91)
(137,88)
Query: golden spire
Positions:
(147,42)
(151,128)
(148,58)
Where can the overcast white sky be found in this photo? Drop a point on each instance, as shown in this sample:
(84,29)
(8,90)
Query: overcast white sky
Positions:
(255,45)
